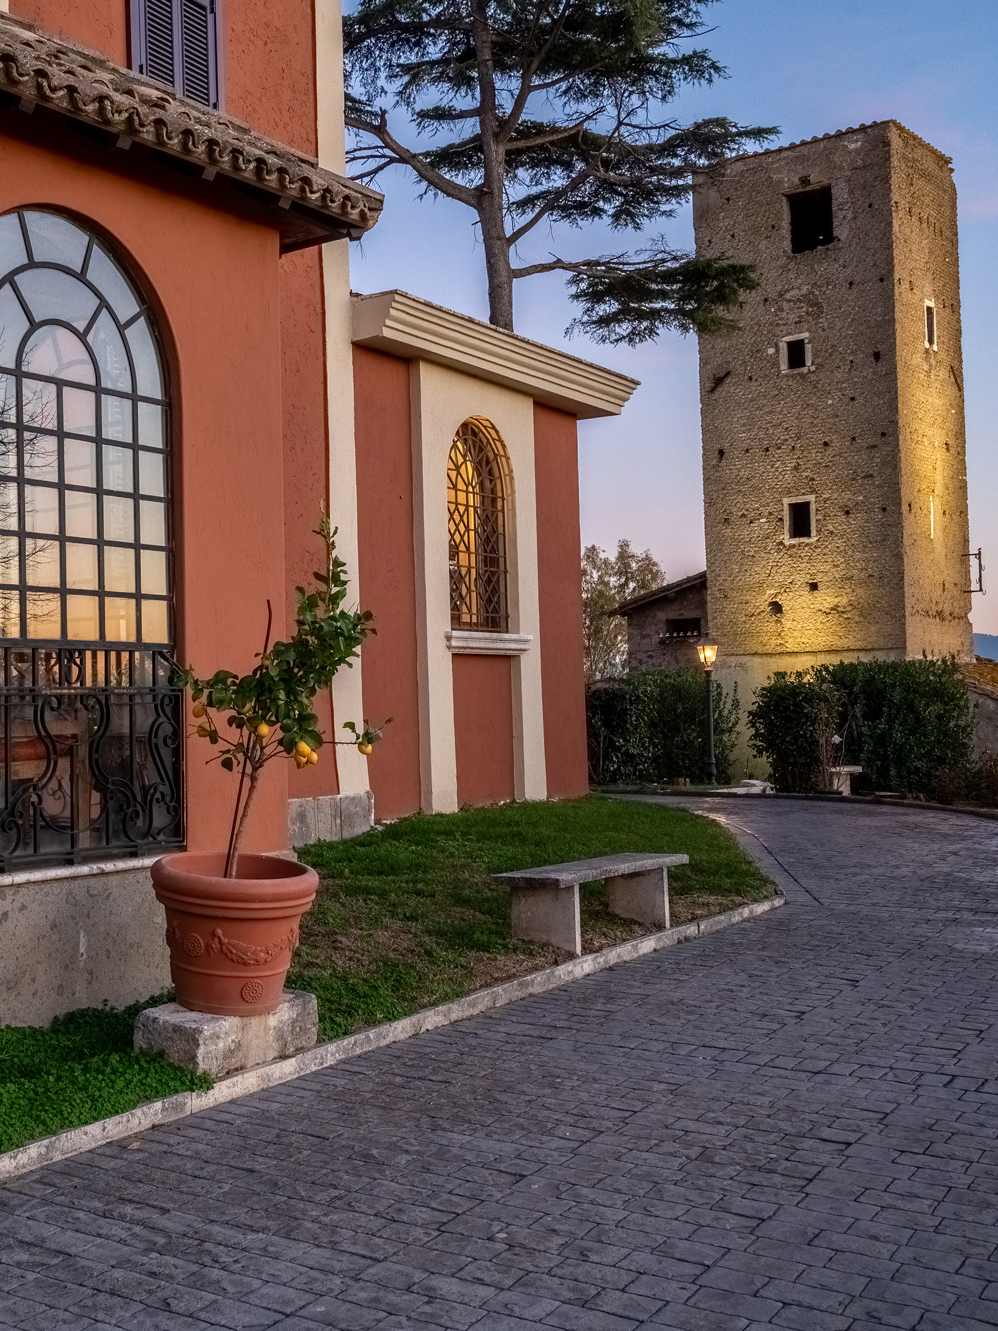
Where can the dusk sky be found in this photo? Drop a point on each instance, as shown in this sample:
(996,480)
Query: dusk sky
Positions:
(809,68)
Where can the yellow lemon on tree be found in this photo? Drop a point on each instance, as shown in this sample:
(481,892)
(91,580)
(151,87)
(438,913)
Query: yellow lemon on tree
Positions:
(203,731)
(303,749)
(300,761)
(365,748)
(312,758)
(197,710)
(262,730)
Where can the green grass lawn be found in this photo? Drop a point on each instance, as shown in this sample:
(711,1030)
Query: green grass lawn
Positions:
(407,916)
(80,1069)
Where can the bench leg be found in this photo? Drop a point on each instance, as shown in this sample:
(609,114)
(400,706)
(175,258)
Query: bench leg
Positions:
(548,915)
(641,896)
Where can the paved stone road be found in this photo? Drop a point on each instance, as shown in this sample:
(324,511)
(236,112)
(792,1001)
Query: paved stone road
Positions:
(791,1124)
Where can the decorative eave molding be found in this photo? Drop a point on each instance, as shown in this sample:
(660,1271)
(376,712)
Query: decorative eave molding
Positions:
(314,205)
(473,642)
(416,329)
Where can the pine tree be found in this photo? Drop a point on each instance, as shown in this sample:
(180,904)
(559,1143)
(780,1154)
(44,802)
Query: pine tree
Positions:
(536,112)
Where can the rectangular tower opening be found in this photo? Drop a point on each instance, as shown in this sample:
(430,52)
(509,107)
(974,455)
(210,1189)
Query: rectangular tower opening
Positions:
(800,519)
(682,628)
(810,219)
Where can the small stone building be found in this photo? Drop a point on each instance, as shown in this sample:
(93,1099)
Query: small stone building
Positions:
(665,626)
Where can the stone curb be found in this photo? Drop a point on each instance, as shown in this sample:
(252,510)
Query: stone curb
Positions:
(174,1107)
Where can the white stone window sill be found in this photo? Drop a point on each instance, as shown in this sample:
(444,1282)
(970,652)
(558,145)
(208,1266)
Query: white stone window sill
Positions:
(90,870)
(471,642)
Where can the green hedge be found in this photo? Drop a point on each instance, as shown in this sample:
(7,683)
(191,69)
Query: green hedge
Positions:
(652,727)
(903,722)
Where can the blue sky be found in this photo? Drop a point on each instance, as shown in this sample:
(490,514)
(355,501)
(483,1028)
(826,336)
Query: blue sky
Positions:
(809,68)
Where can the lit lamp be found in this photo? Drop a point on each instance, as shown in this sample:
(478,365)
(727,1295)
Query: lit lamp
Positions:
(707,652)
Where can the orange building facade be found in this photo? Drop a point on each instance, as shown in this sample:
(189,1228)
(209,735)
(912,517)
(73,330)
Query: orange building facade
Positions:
(185,382)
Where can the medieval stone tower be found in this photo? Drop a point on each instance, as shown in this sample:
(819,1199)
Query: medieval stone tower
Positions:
(833,429)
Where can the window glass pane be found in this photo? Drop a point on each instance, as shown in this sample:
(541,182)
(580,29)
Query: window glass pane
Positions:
(119,619)
(79,407)
(8,397)
(154,622)
(8,451)
(8,505)
(110,352)
(151,473)
(13,326)
(154,572)
(82,621)
(56,240)
(10,615)
(150,425)
(80,461)
(81,566)
(52,294)
(147,377)
(44,617)
(153,519)
(41,508)
(12,253)
(116,418)
(41,457)
(111,284)
(119,519)
(81,514)
(9,571)
(59,353)
(119,569)
(41,562)
(39,404)
(117,468)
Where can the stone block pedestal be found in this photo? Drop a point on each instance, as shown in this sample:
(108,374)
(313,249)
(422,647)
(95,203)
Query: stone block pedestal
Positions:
(202,1042)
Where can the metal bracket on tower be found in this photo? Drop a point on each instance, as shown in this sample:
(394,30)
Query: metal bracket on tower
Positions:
(976,554)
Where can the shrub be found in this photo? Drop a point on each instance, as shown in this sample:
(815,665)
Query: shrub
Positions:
(903,722)
(652,727)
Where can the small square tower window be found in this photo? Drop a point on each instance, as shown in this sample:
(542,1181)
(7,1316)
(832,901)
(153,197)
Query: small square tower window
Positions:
(930,325)
(682,628)
(798,519)
(810,219)
(795,352)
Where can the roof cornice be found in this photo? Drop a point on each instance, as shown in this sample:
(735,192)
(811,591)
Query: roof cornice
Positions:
(416,329)
(311,204)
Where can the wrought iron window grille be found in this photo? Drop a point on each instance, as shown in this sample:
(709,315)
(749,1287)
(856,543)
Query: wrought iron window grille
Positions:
(91,731)
(476,505)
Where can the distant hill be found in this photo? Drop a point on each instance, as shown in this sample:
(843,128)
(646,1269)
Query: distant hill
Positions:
(986,644)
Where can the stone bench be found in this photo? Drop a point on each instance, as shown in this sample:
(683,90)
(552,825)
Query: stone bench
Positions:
(545,900)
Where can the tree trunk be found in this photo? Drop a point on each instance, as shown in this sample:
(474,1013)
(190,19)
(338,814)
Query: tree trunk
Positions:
(497,265)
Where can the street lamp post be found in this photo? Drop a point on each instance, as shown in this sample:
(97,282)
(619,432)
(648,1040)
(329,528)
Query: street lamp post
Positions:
(707,651)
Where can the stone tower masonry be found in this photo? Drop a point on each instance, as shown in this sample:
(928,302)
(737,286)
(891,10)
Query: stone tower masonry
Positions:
(833,430)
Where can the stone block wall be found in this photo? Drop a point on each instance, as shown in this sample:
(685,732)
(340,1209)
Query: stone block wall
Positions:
(872,424)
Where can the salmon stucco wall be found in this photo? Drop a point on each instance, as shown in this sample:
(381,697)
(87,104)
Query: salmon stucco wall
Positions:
(214,279)
(559,575)
(483,728)
(388,575)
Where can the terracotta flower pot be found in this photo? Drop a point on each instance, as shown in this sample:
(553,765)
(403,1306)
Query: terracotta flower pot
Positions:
(231,940)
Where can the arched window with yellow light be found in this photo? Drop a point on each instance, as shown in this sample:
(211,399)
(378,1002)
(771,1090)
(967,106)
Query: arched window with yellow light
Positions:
(477,483)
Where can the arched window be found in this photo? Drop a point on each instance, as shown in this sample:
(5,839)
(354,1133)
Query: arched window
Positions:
(476,504)
(91,742)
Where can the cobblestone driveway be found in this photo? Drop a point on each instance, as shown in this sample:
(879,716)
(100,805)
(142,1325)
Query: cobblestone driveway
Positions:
(789,1124)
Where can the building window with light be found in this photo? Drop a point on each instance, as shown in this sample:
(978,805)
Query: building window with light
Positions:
(477,481)
(90,725)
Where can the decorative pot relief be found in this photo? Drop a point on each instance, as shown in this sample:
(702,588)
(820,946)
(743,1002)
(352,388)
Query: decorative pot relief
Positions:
(243,954)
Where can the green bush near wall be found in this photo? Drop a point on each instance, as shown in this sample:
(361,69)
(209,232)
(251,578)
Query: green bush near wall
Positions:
(652,727)
(903,722)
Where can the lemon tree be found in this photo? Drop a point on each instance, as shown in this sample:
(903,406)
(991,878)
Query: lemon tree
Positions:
(267,714)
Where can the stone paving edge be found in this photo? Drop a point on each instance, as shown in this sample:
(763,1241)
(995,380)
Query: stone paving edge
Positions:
(74,1141)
